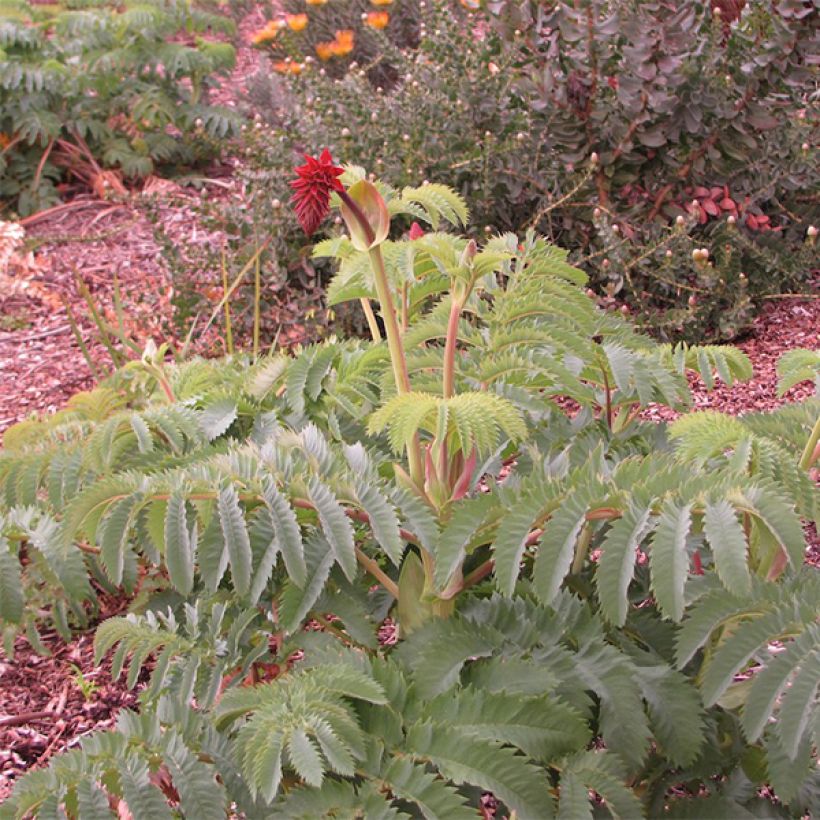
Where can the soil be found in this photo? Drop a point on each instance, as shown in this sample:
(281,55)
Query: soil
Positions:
(48,704)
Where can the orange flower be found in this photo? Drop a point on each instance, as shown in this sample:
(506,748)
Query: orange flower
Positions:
(381,2)
(267,34)
(324,51)
(286,67)
(471,5)
(316,2)
(343,43)
(377,19)
(296,22)
(339,47)
(5,140)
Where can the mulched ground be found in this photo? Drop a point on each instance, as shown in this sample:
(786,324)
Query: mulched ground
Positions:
(48,704)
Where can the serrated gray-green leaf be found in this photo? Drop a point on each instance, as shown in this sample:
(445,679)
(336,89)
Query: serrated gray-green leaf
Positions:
(305,758)
(573,798)
(511,539)
(287,531)
(296,601)
(728,543)
(144,801)
(779,517)
(383,520)
(770,681)
(522,786)
(113,536)
(602,772)
(92,802)
(264,566)
(336,526)
(787,774)
(468,517)
(217,417)
(556,546)
(435,799)
(11,588)
(704,617)
(668,561)
(145,442)
(799,705)
(200,795)
(676,712)
(542,727)
(336,753)
(437,651)
(419,517)
(616,566)
(179,550)
(735,653)
(212,554)
(235,534)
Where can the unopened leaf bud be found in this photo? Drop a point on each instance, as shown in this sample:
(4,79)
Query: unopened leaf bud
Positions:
(469,252)
(594,158)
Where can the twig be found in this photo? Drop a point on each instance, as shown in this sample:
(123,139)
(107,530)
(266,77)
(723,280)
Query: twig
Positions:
(55,331)
(26,717)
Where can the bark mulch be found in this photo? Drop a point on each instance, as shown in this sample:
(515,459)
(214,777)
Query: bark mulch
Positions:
(48,704)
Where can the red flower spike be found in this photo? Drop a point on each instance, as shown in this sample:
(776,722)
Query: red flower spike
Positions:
(316,179)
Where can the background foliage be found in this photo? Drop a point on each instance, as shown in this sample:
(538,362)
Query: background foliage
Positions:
(95,94)
(678,106)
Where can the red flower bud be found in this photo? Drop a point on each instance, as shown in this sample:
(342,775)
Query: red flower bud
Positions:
(416,231)
(316,179)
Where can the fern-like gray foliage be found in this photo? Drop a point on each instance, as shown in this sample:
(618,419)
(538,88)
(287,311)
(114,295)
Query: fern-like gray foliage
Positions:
(636,591)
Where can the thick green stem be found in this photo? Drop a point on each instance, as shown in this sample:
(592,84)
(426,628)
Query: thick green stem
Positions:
(391,325)
(810,450)
(450,348)
(397,357)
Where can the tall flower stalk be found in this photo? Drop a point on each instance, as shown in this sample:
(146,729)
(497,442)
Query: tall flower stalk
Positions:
(368,222)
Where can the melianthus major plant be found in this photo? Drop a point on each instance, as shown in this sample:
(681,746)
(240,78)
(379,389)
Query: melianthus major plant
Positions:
(595,613)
